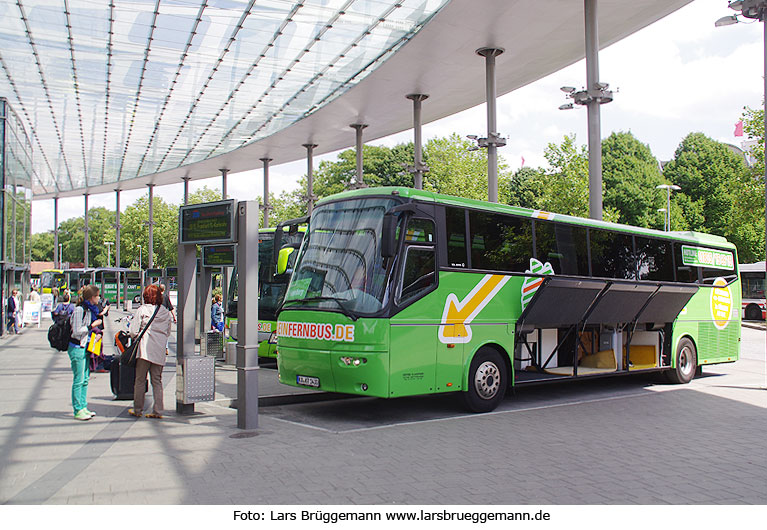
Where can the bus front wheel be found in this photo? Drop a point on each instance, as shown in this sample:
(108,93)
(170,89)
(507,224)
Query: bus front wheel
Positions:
(686,363)
(488,380)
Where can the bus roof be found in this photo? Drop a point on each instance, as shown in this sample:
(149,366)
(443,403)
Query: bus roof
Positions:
(428,196)
(752,267)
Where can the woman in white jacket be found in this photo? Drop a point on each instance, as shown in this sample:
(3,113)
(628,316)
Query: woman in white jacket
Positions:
(151,350)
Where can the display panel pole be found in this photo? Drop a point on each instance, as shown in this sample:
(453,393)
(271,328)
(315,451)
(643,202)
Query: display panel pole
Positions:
(247,315)
(187,265)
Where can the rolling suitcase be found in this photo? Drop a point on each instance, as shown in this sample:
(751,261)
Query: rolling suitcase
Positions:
(122,377)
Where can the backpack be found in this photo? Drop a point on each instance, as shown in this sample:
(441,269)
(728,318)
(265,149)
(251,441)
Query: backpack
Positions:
(59,334)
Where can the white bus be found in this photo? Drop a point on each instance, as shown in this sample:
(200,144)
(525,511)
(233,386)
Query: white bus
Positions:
(752,276)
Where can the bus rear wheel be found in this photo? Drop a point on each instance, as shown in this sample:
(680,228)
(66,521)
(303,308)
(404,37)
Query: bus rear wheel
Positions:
(753,312)
(488,380)
(686,363)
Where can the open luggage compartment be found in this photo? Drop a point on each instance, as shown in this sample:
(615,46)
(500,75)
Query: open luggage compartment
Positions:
(576,327)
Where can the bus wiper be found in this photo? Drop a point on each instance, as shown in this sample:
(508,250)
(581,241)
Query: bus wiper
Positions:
(344,311)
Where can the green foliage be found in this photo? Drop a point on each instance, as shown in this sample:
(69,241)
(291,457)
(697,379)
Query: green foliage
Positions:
(381,166)
(719,194)
(455,170)
(42,246)
(135,233)
(204,194)
(630,174)
(100,229)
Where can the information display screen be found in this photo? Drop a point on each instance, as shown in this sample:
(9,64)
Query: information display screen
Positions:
(154,273)
(219,256)
(210,222)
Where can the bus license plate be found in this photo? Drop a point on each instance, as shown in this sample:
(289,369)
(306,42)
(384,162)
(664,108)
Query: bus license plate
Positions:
(308,381)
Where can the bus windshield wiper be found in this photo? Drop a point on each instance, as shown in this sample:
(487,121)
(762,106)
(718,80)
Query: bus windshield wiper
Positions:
(338,301)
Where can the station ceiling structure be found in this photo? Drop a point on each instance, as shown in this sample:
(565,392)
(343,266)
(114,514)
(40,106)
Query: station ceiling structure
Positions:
(118,94)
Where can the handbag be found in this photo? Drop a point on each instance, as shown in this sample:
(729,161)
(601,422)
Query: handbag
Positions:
(130,355)
(94,344)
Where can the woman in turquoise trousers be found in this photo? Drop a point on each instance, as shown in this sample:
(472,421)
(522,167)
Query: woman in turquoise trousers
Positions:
(83,321)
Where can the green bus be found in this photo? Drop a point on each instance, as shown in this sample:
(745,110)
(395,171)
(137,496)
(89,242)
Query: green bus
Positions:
(271,289)
(51,279)
(400,292)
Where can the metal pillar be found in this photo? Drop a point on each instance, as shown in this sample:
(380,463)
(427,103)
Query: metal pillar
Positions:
(310,196)
(493,138)
(56,255)
(187,266)
(592,108)
(186,189)
(358,183)
(267,203)
(150,259)
(418,168)
(224,270)
(119,275)
(247,315)
(204,301)
(85,244)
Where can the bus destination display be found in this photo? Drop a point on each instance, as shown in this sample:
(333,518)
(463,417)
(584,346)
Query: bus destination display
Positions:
(207,223)
(218,256)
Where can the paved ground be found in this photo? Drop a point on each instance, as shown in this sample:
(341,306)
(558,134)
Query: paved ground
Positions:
(614,441)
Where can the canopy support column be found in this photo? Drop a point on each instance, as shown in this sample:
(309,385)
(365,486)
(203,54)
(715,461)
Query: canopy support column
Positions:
(358,127)
(310,197)
(267,205)
(418,168)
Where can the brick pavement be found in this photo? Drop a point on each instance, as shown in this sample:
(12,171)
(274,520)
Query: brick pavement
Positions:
(617,441)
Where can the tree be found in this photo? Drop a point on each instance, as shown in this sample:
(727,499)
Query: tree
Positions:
(630,174)
(204,194)
(719,194)
(42,246)
(454,169)
(381,166)
(100,229)
(135,232)
(526,188)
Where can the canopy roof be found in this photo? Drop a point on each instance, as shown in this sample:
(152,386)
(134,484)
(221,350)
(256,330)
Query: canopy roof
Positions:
(117,94)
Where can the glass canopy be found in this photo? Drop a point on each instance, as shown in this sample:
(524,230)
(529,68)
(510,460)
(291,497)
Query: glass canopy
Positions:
(110,90)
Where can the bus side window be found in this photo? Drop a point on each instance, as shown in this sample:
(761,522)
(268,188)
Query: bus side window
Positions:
(419,272)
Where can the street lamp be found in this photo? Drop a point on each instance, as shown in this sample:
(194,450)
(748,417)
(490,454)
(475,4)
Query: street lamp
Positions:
(663,210)
(139,256)
(109,251)
(756,10)
(668,188)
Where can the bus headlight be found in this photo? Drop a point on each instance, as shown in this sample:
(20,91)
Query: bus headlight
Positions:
(353,361)
(272,338)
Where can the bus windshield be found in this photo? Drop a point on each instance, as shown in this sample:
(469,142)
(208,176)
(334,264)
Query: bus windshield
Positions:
(52,279)
(271,287)
(340,262)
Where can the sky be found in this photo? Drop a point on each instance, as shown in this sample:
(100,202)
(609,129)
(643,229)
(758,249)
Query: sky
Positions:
(677,76)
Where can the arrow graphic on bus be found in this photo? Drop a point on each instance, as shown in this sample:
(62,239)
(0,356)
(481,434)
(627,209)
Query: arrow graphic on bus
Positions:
(459,314)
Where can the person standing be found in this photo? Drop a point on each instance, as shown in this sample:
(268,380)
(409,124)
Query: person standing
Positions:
(151,350)
(34,296)
(217,314)
(83,322)
(11,310)
(64,309)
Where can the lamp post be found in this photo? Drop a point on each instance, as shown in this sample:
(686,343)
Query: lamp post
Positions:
(61,257)
(139,256)
(755,10)
(109,251)
(663,210)
(669,188)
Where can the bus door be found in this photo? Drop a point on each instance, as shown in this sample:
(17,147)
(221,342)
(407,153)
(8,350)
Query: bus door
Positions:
(413,362)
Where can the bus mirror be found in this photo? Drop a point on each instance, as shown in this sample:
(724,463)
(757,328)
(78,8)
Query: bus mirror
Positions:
(388,235)
(282,259)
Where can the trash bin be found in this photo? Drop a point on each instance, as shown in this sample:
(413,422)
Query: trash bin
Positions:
(214,344)
(231,353)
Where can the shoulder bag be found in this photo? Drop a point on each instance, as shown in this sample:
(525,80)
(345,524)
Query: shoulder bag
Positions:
(130,355)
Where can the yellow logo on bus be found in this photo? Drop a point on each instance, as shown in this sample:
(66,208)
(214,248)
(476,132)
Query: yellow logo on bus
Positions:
(721,303)
(458,314)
